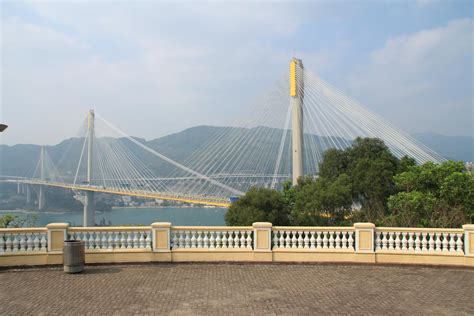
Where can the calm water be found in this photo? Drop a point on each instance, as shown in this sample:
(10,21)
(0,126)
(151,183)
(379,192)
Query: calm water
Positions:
(135,216)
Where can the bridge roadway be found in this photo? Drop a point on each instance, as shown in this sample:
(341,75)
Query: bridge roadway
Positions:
(138,193)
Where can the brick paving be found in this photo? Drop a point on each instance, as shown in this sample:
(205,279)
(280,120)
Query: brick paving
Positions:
(235,289)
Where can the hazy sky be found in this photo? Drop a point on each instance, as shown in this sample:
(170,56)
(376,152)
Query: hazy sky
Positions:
(156,68)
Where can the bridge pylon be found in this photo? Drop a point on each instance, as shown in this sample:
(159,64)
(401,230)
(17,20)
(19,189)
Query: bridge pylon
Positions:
(89,203)
(297,95)
(41,194)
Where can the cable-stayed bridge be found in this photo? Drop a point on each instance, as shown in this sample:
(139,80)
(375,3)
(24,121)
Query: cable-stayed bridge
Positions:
(281,138)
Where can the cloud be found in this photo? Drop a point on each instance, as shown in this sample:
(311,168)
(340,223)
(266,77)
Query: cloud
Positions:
(419,76)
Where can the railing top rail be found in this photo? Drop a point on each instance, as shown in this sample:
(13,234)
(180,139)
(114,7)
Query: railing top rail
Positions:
(109,229)
(314,228)
(219,228)
(24,230)
(416,229)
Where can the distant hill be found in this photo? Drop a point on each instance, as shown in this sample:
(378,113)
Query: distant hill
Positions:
(451,147)
(21,160)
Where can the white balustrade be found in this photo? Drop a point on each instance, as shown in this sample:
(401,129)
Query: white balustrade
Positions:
(112,239)
(212,239)
(419,240)
(23,241)
(313,239)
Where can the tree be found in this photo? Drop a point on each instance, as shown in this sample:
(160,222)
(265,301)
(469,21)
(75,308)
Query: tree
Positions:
(258,205)
(16,221)
(369,166)
(433,195)
(321,202)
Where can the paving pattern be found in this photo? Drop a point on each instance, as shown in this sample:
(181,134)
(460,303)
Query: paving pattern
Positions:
(235,289)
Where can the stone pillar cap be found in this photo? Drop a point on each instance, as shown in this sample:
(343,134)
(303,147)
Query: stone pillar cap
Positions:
(57,225)
(468,227)
(364,225)
(161,224)
(261,225)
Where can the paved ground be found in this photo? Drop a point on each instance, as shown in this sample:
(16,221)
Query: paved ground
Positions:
(238,289)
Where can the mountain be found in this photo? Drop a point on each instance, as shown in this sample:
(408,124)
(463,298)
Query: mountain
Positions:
(21,160)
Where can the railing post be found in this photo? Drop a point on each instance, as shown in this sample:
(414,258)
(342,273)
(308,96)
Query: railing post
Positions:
(262,241)
(364,242)
(161,237)
(57,233)
(468,240)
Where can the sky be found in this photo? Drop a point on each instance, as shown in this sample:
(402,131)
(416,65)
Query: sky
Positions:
(155,68)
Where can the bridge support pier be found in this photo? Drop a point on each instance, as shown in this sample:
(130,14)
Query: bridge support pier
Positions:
(41,198)
(89,209)
(18,188)
(28,194)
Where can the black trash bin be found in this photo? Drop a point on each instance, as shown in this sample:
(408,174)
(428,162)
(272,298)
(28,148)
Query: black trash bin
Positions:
(73,256)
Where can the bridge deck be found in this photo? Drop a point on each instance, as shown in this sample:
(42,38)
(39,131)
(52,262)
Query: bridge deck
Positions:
(138,193)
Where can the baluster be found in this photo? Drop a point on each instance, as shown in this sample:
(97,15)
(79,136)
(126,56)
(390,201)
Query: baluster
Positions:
(129,240)
(9,243)
(29,242)
(424,241)
(293,239)
(384,241)
(312,240)
(300,239)
(242,239)
(331,240)
(452,244)
(16,243)
(111,240)
(319,240)
(410,241)
(391,241)
(2,243)
(287,239)
(43,241)
(187,239)
(212,240)
(175,240)
(344,240)
(104,241)
(199,239)
(182,239)
(281,240)
(397,241)
(135,240)
(445,242)
(148,240)
(230,239)
(430,242)
(97,240)
(378,240)
(224,239)
(194,243)
(418,241)
(142,240)
(438,242)
(350,242)
(236,239)
(116,240)
(325,240)
(338,241)
(206,239)
(459,243)
(122,240)
(22,238)
(249,239)
(404,240)
(275,240)
(218,239)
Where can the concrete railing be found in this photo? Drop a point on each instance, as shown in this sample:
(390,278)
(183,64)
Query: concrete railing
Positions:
(260,242)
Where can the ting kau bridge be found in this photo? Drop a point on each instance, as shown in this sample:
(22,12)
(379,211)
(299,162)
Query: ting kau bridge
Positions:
(282,138)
